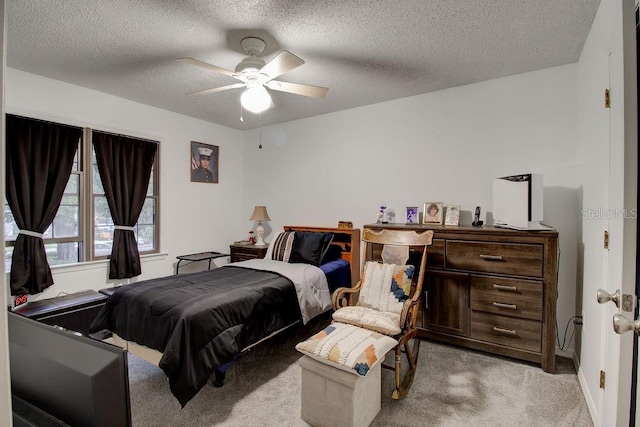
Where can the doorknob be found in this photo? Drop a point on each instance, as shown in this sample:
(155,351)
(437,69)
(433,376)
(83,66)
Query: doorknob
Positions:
(604,296)
(623,325)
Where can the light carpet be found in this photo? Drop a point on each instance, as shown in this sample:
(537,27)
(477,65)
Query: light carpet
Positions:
(453,387)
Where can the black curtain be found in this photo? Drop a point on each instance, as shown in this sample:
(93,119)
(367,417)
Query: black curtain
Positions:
(39,159)
(125,167)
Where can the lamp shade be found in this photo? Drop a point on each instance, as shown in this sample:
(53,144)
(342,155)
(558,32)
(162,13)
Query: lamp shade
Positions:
(256,99)
(260,214)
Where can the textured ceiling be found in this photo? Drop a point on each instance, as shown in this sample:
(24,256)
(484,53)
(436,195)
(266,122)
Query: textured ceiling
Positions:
(364,51)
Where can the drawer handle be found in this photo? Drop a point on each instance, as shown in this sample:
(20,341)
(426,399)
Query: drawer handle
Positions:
(505,331)
(502,305)
(491,257)
(505,288)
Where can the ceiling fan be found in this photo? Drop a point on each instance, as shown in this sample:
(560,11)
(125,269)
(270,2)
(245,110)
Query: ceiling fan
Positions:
(256,76)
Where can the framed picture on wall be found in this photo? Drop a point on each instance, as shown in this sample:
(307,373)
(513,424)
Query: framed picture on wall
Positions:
(412,215)
(452,215)
(432,213)
(204,162)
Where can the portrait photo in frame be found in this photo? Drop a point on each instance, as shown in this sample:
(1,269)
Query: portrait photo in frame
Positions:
(412,215)
(452,215)
(204,162)
(432,213)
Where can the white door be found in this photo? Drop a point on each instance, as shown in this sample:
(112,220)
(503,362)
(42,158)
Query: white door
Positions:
(623,156)
(623,323)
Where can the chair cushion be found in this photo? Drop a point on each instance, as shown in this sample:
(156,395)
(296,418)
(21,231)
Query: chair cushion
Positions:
(385,287)
(347,347)
(381,321)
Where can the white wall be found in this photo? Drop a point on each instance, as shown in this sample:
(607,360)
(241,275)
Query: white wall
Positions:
(444,146)
(194,217)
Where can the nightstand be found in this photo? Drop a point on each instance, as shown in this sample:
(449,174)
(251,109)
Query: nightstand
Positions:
(245,252)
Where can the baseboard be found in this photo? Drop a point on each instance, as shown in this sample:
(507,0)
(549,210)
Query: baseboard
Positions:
(568,354)
(585,390)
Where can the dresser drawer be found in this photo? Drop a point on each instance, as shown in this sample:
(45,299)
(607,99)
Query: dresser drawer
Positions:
(502,287)
(246,252)
(435,253)
(510,297)
(507,305)
(510,331)
(504,258)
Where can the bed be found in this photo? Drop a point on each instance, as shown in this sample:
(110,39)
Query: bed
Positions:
(194,325)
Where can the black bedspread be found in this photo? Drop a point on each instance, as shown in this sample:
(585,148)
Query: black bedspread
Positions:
(200,321)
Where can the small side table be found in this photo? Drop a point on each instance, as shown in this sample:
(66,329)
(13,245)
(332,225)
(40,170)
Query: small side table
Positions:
(245,252)
(202,256)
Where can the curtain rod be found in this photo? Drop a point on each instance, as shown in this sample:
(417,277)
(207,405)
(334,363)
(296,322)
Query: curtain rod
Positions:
(78,127)
(125,136)
(49,122)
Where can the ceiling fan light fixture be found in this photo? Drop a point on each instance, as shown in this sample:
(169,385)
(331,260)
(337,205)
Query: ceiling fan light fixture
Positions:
(255,99)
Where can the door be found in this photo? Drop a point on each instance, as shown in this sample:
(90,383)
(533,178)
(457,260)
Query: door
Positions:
(622,265)
(446,307)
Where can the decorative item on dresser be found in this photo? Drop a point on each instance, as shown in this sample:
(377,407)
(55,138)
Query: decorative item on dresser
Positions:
(432,213)
(245,252)
(452,215)
(412,215)
(491,289)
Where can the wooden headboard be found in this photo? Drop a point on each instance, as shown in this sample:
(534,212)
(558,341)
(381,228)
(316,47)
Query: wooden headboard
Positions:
(347,238)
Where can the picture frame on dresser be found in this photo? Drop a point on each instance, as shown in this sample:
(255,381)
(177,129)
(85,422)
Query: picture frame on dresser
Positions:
(452,215)
(412,215)
(432,213)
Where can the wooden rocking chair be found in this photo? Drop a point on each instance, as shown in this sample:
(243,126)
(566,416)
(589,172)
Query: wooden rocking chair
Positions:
(389,305)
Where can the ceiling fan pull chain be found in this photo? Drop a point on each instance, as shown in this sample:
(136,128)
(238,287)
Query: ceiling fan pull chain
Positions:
(241,119)
(260,146)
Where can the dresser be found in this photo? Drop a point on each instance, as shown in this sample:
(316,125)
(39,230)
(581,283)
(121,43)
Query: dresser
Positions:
(491,289)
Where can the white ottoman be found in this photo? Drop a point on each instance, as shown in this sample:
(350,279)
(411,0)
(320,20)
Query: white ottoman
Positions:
(334,397)
(341,375)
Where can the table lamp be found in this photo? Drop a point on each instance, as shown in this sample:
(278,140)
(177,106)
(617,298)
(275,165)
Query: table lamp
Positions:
(260,214)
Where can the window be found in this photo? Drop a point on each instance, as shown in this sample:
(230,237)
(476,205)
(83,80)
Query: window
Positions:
(83,229)
(145,229)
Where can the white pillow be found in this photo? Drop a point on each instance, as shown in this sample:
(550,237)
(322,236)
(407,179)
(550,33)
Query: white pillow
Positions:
(280,247)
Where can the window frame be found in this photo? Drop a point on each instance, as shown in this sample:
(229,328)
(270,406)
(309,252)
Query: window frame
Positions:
(90,195)
(86,203)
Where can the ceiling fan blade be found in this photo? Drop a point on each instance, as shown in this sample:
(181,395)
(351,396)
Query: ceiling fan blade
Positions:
(298,89)
(217,89)
(280,64)
(208,66)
